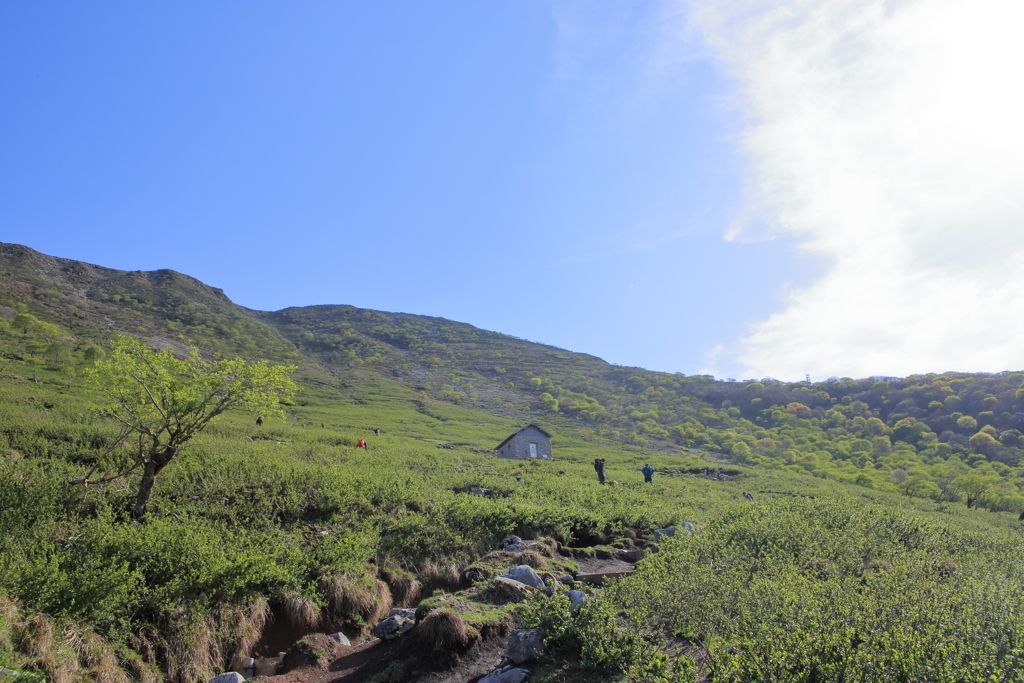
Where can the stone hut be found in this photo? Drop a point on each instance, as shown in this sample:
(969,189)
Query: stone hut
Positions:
(529,442)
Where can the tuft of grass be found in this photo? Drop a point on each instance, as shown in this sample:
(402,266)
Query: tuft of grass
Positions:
(442,629)
(405,589)
(303,614)
(439,576)
(360,601)
(530,558)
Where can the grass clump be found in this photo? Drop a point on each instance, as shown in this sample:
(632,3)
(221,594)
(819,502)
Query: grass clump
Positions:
(442,629)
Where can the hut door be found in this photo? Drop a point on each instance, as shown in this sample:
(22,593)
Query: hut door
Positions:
(533,450)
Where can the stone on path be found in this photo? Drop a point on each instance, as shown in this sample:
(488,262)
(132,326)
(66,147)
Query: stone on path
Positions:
(229,677)
(515,590)
(524,573)
(506,674)
(524,645)
(392,627)
(340,638)
(512,544)
(406,612)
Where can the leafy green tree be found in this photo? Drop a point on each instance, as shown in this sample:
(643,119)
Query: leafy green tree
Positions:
(1012,438)
(918,485)
(166,401)
(875,426)
(975,485)
(967,423)
(982,442)
(741,452)
(25,322)
(549,401)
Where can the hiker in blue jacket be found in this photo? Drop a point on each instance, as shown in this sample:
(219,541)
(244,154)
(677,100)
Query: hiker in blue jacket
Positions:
(648,474)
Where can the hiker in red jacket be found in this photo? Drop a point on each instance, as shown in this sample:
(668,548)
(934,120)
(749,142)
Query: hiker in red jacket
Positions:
(361,443)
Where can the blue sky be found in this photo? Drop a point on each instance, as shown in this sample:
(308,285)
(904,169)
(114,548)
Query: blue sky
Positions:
(640,181)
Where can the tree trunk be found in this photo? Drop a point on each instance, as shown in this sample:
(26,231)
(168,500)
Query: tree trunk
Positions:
(156,462)
(145,490)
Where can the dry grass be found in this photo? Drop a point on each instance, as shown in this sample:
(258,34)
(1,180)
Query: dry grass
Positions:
(445,576)
(140,671)
(530,558)
(301,613)
(364,599)
(242,626)
(548,547)
(66,652)
(405,589)
(191,650)
(59,665)
(37,636)
(10,615)
(442,629)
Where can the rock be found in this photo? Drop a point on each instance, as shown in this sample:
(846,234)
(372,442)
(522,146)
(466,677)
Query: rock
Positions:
(689,528)
(632,555)
(512,544)
(576,600)
(513,589)
(243,665)
(667,532)
(568,578)
(524,573)
(266,666)
(340,638)
(9,673)
(392,627)
(406,612)
(506,674)
(524,645)
(229,677)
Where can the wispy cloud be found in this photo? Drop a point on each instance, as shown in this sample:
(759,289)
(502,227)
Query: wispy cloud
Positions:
(888,137)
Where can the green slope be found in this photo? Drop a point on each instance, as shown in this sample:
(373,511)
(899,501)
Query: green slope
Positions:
(291,521)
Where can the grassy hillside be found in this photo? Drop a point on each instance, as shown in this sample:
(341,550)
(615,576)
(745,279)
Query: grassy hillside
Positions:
(882,542)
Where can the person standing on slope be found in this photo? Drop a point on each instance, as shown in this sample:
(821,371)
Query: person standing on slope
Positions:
(648,474)
(599,468)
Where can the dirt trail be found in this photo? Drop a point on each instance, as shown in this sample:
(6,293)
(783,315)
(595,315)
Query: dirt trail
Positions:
(405,661)
(408,664)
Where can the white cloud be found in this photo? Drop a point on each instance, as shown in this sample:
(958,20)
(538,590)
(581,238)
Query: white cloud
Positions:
(888,137)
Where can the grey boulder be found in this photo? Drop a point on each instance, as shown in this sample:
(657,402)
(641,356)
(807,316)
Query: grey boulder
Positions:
(406,612)
(506,674)
(392,627)
(514,590)
(512,544)
(229,677)
(524,574)
(340,638)
(524,645)
(667,532)
(576,600)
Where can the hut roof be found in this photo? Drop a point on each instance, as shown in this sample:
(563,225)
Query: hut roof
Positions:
(510,437)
